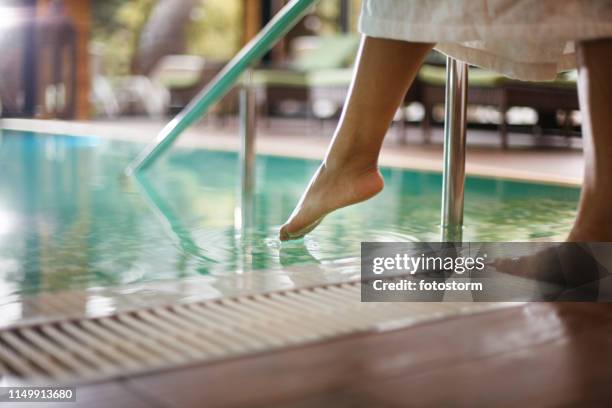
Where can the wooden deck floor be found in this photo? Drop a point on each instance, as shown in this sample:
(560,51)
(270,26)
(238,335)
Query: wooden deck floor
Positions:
(535,355)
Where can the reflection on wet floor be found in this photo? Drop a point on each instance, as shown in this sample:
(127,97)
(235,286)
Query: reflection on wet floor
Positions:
(68,221)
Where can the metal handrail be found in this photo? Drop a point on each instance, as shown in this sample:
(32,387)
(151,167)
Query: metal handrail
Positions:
(455,126)
(282,22)
(453,181)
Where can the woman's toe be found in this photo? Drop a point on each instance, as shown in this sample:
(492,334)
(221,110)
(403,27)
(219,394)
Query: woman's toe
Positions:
(283,234)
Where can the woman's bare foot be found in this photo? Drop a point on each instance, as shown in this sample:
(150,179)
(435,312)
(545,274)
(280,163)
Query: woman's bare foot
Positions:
(332,187)
(384,71)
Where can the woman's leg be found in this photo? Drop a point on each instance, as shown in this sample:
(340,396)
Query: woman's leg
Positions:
(349,173)
(594,220)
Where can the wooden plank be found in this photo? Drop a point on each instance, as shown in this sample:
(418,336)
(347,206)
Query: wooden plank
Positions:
(340,369)
(252,19)
(79,12)
(567,372)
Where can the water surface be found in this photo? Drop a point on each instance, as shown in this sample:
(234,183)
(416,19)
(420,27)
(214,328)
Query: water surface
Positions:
(68,220)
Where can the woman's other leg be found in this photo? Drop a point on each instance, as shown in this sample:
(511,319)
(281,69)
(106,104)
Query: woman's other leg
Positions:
(594,220)
(349,174)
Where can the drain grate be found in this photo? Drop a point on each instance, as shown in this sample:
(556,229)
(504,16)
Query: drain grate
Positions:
(127,343)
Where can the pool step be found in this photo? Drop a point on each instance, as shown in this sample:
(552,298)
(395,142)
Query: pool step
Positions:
(135,342)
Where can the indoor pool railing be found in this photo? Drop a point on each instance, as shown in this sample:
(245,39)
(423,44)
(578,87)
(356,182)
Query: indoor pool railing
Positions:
(223,82)
(453,180)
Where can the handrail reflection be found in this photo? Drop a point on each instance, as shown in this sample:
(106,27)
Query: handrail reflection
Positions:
(172,223)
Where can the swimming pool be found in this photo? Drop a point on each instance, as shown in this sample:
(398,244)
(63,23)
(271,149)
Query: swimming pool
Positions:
(69,221)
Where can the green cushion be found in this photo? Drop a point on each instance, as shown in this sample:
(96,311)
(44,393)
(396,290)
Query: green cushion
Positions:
(178,80)
(320,77)
(478,77)
(435,75)
(279,77)
(340,77)
(567,79)
(323,66)
(331,52)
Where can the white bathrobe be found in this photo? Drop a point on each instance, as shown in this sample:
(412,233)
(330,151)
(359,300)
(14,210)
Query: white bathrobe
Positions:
(523,39)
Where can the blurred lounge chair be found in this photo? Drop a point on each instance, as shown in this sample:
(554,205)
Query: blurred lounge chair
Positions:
(103,97)
(316,79)
(185,75)
(134,94)
(129,95)
(138,93)
(487,88)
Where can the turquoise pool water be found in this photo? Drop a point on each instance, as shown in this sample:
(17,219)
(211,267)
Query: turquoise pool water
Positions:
(67,220)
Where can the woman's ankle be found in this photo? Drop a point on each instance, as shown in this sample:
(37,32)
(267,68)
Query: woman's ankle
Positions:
(591,227)
(355,150)
(352,159)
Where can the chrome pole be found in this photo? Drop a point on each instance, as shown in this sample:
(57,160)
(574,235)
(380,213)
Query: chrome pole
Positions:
(453,177)
(247,117)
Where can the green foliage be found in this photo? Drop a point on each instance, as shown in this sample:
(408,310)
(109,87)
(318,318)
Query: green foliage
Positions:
(328,12)
(117,25)
(216,28)
(355,9)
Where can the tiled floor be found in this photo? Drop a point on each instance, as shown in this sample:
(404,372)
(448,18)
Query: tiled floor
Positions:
(109,300)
